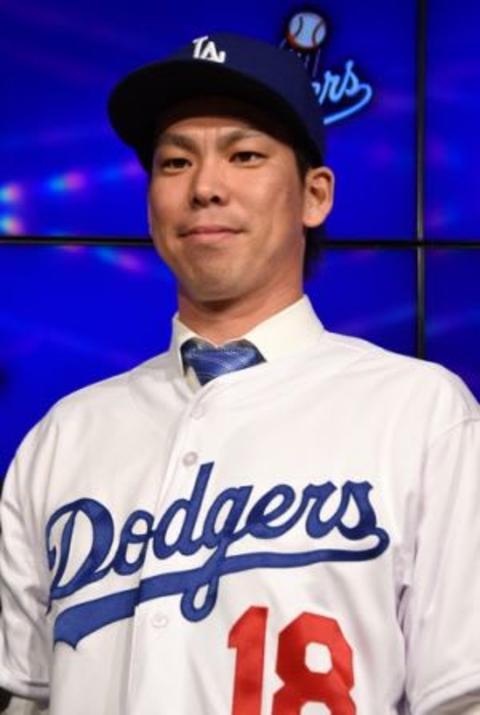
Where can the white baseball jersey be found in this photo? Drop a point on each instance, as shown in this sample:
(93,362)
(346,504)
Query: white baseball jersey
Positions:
(298,538)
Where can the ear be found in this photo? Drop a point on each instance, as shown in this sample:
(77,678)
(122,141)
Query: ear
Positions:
(318,195)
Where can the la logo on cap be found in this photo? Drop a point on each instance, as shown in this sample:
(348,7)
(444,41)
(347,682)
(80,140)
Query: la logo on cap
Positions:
(205,49)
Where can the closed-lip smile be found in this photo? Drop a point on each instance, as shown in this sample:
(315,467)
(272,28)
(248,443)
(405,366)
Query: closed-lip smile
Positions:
(208,230)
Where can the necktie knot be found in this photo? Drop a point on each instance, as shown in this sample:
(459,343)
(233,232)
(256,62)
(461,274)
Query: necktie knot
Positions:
(209,362)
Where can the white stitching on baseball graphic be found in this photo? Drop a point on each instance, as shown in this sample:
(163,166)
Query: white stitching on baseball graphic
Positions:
(306,31)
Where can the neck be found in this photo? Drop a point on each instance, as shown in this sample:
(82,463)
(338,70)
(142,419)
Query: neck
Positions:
(220,321)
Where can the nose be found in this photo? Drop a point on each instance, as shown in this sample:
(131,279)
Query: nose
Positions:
(208,184)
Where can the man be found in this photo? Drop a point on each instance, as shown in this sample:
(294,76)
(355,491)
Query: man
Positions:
(285,525)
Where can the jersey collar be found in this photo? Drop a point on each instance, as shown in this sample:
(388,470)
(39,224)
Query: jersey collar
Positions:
(292,330)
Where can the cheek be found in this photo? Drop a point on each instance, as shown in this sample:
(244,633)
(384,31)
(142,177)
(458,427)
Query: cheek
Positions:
(160,222)
(164,204)
(267,196)
(158,212)
(283,204)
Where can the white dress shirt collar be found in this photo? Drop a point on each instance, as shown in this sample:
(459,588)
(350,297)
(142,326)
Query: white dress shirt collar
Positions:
(291,330)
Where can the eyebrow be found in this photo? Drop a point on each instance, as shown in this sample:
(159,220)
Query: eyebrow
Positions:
(183,141)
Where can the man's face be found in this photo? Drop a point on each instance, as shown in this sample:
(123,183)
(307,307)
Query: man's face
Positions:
(227,207)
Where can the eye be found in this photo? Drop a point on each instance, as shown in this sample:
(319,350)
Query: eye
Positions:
(247,157)
(173,164)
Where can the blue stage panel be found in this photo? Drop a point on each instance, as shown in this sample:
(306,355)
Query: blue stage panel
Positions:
(453,312)
(369,294)
(62,171)
(452,184)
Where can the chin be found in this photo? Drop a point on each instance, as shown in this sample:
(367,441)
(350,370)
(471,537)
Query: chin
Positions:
(214,296)
(209,291)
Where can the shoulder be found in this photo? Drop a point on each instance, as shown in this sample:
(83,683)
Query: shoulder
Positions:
(113,392)
(400,381)
(95,407)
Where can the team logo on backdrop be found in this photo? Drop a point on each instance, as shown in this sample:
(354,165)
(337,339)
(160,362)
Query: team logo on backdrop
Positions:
(340,90)
(85,545)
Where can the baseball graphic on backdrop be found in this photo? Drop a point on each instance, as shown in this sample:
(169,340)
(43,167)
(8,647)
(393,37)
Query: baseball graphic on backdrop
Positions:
(306,31)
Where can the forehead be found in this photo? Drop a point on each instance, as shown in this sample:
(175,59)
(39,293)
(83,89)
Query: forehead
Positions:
(220,112)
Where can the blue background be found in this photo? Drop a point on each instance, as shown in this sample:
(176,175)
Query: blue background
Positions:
(73,314)
(74,177)
(452,209)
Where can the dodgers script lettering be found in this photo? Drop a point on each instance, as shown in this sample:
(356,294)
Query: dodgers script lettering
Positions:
(342,94)
(233,515)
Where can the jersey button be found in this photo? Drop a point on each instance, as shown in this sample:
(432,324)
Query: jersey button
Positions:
(198,412)
(159,620)
(190,458)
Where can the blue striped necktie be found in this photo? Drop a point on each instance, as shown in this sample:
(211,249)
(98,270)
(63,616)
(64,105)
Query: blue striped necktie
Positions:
(208,362)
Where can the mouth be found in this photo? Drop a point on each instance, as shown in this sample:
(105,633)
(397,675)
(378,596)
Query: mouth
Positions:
(211,232)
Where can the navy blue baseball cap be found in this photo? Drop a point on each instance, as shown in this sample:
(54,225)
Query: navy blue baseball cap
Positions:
(220,64)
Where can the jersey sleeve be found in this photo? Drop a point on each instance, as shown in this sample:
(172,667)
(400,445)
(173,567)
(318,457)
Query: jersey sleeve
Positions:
(24,640)
(442,601)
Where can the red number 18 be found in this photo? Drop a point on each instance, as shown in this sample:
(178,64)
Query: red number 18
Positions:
(300,684)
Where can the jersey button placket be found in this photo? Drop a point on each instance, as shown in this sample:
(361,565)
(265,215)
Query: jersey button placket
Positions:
(151,626)
(159,620)
(190,458)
